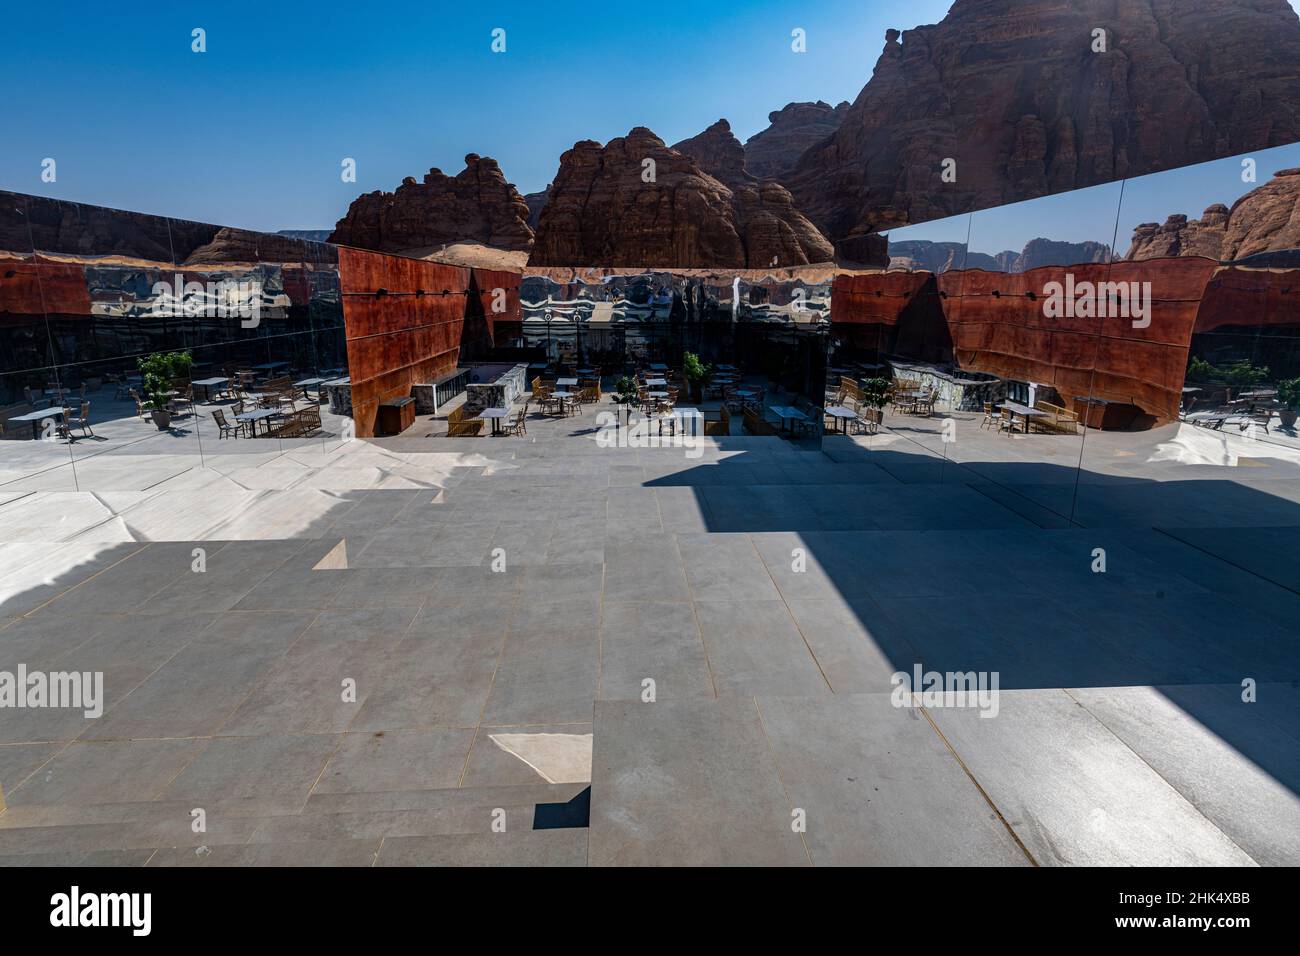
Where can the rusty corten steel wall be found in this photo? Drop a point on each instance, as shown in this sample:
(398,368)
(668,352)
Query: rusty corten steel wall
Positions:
(487,281)
(60,287)
(1250,298)
(413,330)
(995,327)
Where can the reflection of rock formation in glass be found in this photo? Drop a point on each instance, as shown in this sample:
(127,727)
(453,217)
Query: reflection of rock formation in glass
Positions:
(1260,224)
(928,256)
(476,205)
(1029,110)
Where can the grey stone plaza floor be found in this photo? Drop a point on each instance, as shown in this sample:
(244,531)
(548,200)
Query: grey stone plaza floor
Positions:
(504,606)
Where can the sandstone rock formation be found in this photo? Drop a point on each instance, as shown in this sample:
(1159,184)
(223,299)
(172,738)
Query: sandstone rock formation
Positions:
(718,153)
(773,152)
(245,246)
(475,205)
(637,202)
(1264,221)
(1016,95)
(939,257)
(1049,252)
(1180,236)
(536,203)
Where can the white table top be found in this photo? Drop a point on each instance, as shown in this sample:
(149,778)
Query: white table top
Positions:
(566,381)
(211,381)
(561,394)
(1024,410)
(839,411)
(494,413)
(789,412)
(308,381)
(656,381)
(657,394)
(37,415)
(257,415)
(687,412)
(658,366)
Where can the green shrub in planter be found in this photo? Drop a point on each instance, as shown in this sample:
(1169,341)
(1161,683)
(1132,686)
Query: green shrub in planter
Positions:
(157,372)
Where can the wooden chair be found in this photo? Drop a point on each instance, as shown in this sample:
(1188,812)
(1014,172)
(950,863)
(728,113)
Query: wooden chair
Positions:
(990,416)
(139,404)
(869,419)
(756,424)
(81,421)
(717,422)
(519,426)
(224,428)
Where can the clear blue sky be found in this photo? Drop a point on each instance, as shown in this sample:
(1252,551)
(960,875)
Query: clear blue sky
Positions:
(251,133)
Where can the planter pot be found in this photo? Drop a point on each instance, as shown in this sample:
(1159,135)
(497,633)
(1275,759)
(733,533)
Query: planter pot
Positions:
(1288,416)
(162,418)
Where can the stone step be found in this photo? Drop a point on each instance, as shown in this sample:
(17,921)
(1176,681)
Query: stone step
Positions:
(68,832)
(512,848)
(547,793)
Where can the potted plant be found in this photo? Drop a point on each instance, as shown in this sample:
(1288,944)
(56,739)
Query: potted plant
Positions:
(1288,395)
(697,374)
(625,393)
(875,392)
(157,372)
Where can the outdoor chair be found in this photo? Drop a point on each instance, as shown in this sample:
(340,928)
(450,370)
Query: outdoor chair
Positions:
(519,426)
(868,420)
(81,421)
(224,428)
(1259,417)
(139,404)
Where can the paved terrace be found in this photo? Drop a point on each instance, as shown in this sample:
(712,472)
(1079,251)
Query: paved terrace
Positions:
(1120,735)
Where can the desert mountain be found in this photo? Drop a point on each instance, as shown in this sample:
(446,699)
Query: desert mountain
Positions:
(1025,102)
(773,152)
(1265,220)
(476,205)
(637,202)
(937,257)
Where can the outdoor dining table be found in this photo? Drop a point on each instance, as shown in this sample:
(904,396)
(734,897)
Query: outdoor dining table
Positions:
(566,382)
(657,367)
(788,411)
(257,415)
(656,381)
(38,418)
(1024,411)
(270,366)
(309,383)
(563,396)
(841,416)
(727,368)
(495,415)
(208,384)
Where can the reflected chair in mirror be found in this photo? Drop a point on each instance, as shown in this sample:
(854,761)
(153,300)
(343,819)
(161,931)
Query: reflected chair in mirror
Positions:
(224,428)
(81,421)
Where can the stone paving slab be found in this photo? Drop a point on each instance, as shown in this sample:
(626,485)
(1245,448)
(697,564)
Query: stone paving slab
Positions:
(687,783)
(1074,793)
